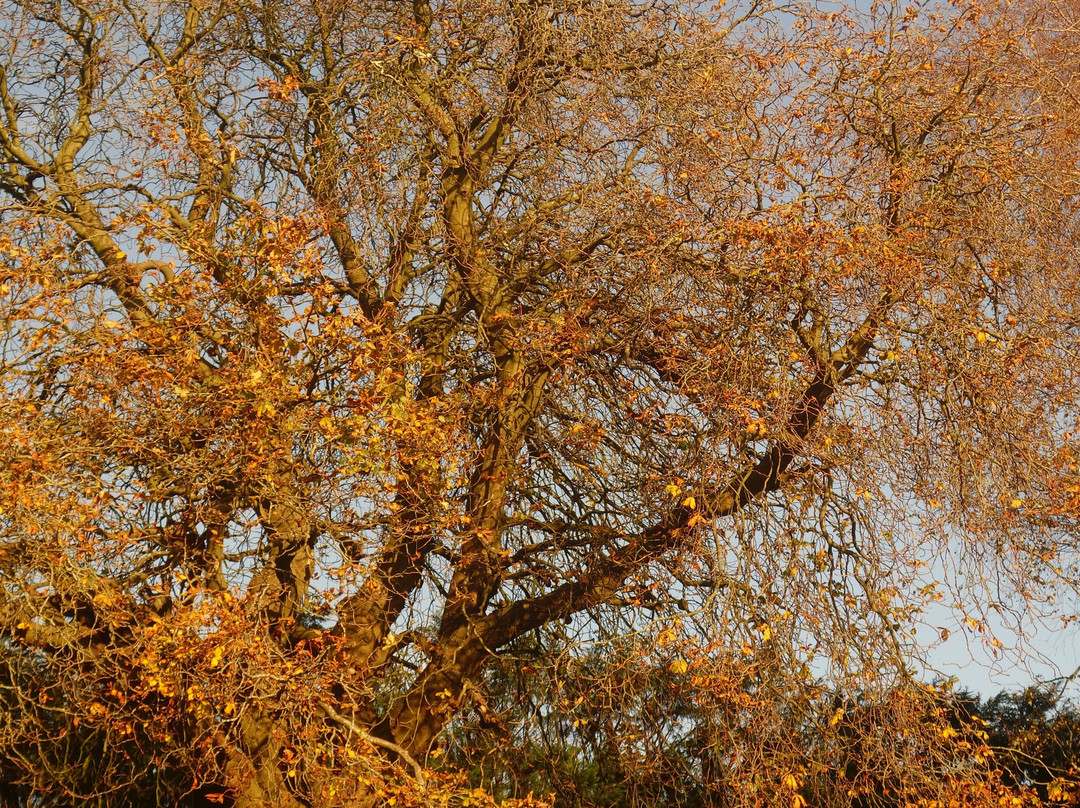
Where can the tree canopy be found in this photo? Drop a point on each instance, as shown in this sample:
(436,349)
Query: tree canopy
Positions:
(363,358)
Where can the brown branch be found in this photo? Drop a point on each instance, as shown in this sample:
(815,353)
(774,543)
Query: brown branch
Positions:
(606,576)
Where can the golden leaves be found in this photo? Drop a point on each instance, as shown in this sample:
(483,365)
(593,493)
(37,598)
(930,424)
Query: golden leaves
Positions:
(217,655)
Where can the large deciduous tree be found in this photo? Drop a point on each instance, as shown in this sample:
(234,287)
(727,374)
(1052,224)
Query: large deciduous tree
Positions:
(351,346)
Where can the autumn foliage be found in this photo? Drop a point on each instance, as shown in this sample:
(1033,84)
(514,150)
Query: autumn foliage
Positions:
(415,403)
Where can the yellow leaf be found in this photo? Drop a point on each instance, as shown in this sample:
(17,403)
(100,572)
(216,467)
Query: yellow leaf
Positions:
(790,781)
(678,666)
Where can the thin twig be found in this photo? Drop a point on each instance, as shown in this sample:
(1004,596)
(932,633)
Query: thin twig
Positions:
(418,771)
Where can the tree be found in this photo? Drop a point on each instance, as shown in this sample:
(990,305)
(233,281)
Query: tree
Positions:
(350,346)
(739,733)
(1034,736)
